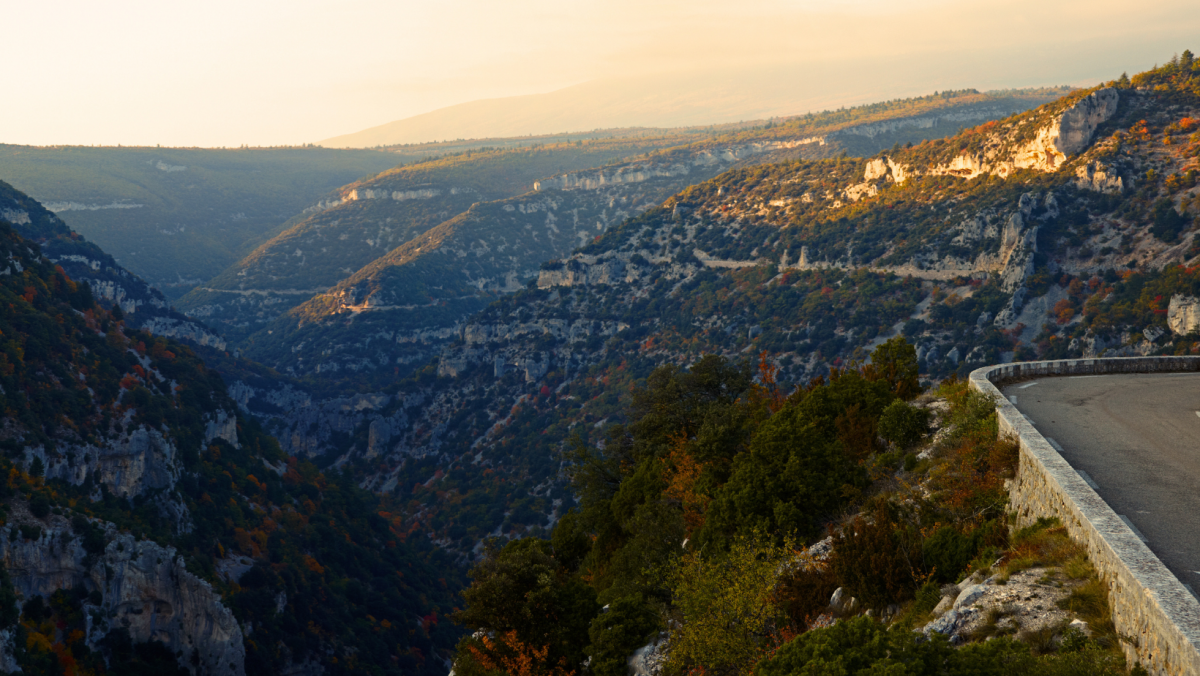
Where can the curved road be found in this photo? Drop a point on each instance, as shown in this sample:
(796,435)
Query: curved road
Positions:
(1136,440)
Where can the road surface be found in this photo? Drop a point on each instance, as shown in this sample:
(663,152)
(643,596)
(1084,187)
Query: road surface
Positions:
(1136,440)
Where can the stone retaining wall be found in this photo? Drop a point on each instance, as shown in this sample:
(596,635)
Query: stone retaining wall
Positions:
(1158,619)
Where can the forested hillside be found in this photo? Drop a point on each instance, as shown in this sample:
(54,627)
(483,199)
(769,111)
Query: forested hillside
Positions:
(151,528)
(178,216)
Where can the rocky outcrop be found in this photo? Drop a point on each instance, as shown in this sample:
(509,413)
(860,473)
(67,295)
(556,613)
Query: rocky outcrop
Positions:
(221,425)
(581,271)
(1066,135)
(1099,177)
(1183,314)
(1018,243)
(305,425)
(885,168)
(964,166)
(145,588)
(129,464)
(184,329)
(1069,134)
(398,195)
(641,171)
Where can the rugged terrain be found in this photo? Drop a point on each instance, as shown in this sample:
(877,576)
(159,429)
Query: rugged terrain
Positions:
(1054,232)
(1062,230)
(399,309)
(366,219)
(149,524)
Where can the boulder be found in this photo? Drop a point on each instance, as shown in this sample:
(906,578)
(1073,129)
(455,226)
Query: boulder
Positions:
(969,596)
(1183,314)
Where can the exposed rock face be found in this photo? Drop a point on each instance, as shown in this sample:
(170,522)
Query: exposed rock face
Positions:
(304,425)
(1018,243)
(183,329)
(1024,603)
(222,425)
(964,166)
(397,195)
(1183,314)
(650,659)
(379,433)
(638,172)
(1099,177)
(145,588)
(1070,133)
(582,271)
(885,167)
(130,464)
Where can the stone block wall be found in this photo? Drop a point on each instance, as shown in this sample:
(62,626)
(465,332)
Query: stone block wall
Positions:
(1156,616)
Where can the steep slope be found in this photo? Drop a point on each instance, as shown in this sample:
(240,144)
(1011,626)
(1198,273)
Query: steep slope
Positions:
(1055,232)
(114,285)
(150,526)
(396,312)
(364,220)
(178,216)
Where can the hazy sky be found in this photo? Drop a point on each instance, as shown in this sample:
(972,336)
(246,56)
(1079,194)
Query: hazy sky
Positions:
(228,72)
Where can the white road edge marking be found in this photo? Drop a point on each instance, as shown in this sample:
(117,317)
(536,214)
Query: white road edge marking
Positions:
(1054,444)
(1132,527)
(1013,399)
(1021,387)
(1087,479)
(1198,414)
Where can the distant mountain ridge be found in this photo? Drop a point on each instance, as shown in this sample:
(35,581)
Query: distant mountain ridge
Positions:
(612,103)
(178,216)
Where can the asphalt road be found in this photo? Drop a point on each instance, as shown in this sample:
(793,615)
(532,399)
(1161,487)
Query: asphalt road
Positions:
(1136,439)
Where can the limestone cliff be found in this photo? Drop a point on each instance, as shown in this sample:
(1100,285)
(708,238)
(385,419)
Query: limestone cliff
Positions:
(142,586)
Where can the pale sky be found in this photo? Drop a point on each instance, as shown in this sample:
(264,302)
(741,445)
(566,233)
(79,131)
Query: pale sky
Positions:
(232,72)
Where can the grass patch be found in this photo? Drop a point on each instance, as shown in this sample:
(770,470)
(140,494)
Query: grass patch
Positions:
(1044,543)
(1090,602)
(920,610)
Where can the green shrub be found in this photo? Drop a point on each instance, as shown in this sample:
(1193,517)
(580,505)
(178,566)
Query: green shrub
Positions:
(39,506)
(863,646)
(947,552)
(871,559)
(628,625)
(903,424)
(804,593)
